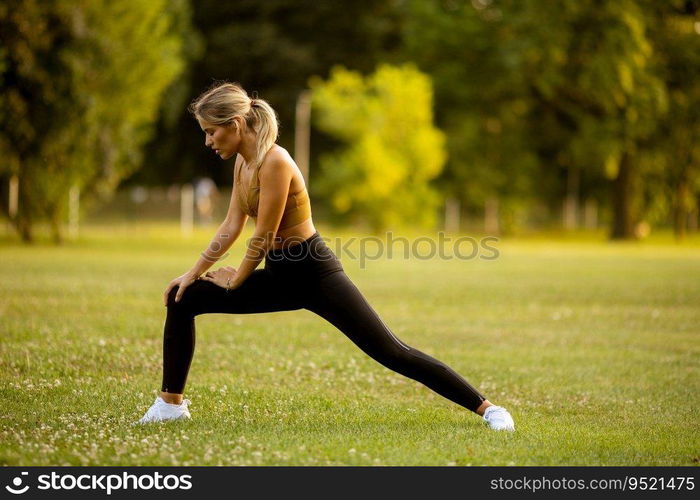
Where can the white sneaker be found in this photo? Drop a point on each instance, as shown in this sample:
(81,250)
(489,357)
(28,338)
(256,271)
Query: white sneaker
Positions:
(499,419)
(161,411)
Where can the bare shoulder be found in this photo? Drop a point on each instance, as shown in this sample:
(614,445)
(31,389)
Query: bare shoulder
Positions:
(278,162)
(280,155)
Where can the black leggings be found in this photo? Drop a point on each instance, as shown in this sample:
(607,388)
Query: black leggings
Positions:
(309,276)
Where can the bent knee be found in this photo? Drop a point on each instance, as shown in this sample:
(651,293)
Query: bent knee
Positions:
(171,295)
(183,298)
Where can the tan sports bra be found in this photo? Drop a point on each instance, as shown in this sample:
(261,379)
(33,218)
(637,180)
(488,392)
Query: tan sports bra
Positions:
(297,210)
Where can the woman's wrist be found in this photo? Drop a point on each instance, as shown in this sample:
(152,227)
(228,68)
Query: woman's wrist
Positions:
(234,282)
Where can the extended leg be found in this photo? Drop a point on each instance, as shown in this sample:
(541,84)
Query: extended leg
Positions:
(341,303)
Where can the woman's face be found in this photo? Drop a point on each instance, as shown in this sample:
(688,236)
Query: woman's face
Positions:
(223,140)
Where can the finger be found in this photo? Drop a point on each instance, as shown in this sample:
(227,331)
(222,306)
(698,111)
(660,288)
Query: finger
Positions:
(180,291)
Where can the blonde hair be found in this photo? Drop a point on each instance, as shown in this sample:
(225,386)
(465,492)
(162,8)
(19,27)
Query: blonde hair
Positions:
(223,101)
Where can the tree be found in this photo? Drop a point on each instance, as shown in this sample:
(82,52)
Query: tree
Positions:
(270,47)
(674,159)
(570,86)
(81,86)
(594,72)
(469,50)
(392,150)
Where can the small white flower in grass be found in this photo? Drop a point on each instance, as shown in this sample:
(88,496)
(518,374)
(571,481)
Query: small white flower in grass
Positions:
(102,342)
(352,451)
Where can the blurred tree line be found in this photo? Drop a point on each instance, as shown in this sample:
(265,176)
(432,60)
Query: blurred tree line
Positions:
(82,83)
(541,105)
(573,100)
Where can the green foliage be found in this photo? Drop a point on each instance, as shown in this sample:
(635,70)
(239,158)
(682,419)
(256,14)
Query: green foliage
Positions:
(593,75)
(481,100)
(81,89)
(272,47)
(531,96)
(392,148)
(672,156)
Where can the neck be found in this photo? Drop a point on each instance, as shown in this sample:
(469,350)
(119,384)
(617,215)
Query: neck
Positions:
(247,148)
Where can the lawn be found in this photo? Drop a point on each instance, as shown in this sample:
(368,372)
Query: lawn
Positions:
(592,346)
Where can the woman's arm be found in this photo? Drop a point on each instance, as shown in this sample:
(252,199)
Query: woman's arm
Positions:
(227,233)
(225,236)
(275,178)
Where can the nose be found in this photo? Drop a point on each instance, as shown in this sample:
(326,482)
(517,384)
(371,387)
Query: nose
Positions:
(206,141)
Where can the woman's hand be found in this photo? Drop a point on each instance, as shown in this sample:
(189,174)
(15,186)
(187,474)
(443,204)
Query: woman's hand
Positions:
(183,282)
(223,277)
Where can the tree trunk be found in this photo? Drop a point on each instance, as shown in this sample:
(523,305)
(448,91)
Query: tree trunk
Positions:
(571,200)
(23,226)
(452,214)
(491,223)
(56,233)
(693,221)
(302,133)
(680,209)
(590,212)
(623,223)
(23,219)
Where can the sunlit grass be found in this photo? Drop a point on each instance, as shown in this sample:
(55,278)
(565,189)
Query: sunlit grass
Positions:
(592,346)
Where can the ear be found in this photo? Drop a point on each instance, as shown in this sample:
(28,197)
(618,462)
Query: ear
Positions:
(237,124)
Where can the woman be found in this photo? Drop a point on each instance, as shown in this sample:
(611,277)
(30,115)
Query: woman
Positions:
(300,271)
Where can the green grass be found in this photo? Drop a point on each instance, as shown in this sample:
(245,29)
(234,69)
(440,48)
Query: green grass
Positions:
(592,346)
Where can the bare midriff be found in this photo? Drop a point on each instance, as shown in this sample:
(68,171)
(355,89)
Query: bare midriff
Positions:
(294,234)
